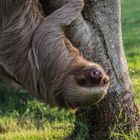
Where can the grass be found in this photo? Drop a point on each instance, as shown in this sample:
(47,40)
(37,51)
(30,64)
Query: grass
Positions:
(131,39)
(27,129)
(23,118)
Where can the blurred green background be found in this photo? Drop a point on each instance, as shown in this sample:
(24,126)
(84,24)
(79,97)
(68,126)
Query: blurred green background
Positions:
(23,118)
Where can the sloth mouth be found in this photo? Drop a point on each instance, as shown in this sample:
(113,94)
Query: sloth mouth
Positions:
(88,98)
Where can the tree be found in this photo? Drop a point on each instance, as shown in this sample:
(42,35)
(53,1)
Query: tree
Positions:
(97,33)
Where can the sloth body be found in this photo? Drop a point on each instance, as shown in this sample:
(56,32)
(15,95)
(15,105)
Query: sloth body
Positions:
(35,52)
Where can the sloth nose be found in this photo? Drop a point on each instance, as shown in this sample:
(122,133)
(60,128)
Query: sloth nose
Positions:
(94,76)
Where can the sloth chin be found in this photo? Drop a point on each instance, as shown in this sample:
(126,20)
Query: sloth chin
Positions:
(85,86)
(85,96)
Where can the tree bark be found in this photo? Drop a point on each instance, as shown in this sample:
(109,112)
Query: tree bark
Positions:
(97,33)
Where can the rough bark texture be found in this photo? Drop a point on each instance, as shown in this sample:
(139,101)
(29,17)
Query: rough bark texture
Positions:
(97,33)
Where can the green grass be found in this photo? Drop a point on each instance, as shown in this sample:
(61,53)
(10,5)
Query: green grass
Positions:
(131,39)
(23,118)
(27,129)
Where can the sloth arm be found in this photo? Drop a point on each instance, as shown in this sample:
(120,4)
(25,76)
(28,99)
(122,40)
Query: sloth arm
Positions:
(55,54)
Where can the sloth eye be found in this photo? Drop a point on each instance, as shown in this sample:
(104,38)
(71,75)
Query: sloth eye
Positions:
(81,81)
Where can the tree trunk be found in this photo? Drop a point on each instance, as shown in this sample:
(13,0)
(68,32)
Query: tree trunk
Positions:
(97,33)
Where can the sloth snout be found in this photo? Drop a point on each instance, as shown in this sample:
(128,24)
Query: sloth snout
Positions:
(92,77)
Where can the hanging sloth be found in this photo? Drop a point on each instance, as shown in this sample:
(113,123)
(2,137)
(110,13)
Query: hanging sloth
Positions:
(35,52)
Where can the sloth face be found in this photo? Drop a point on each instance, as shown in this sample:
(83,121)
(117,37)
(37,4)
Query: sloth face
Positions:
(86,85)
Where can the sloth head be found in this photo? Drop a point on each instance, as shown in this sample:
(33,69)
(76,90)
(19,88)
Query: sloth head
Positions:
(86,84)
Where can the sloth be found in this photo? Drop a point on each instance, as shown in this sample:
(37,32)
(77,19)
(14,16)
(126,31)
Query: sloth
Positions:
(35,53)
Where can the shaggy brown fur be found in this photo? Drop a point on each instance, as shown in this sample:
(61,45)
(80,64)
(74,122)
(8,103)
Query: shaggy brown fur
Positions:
(35,53)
